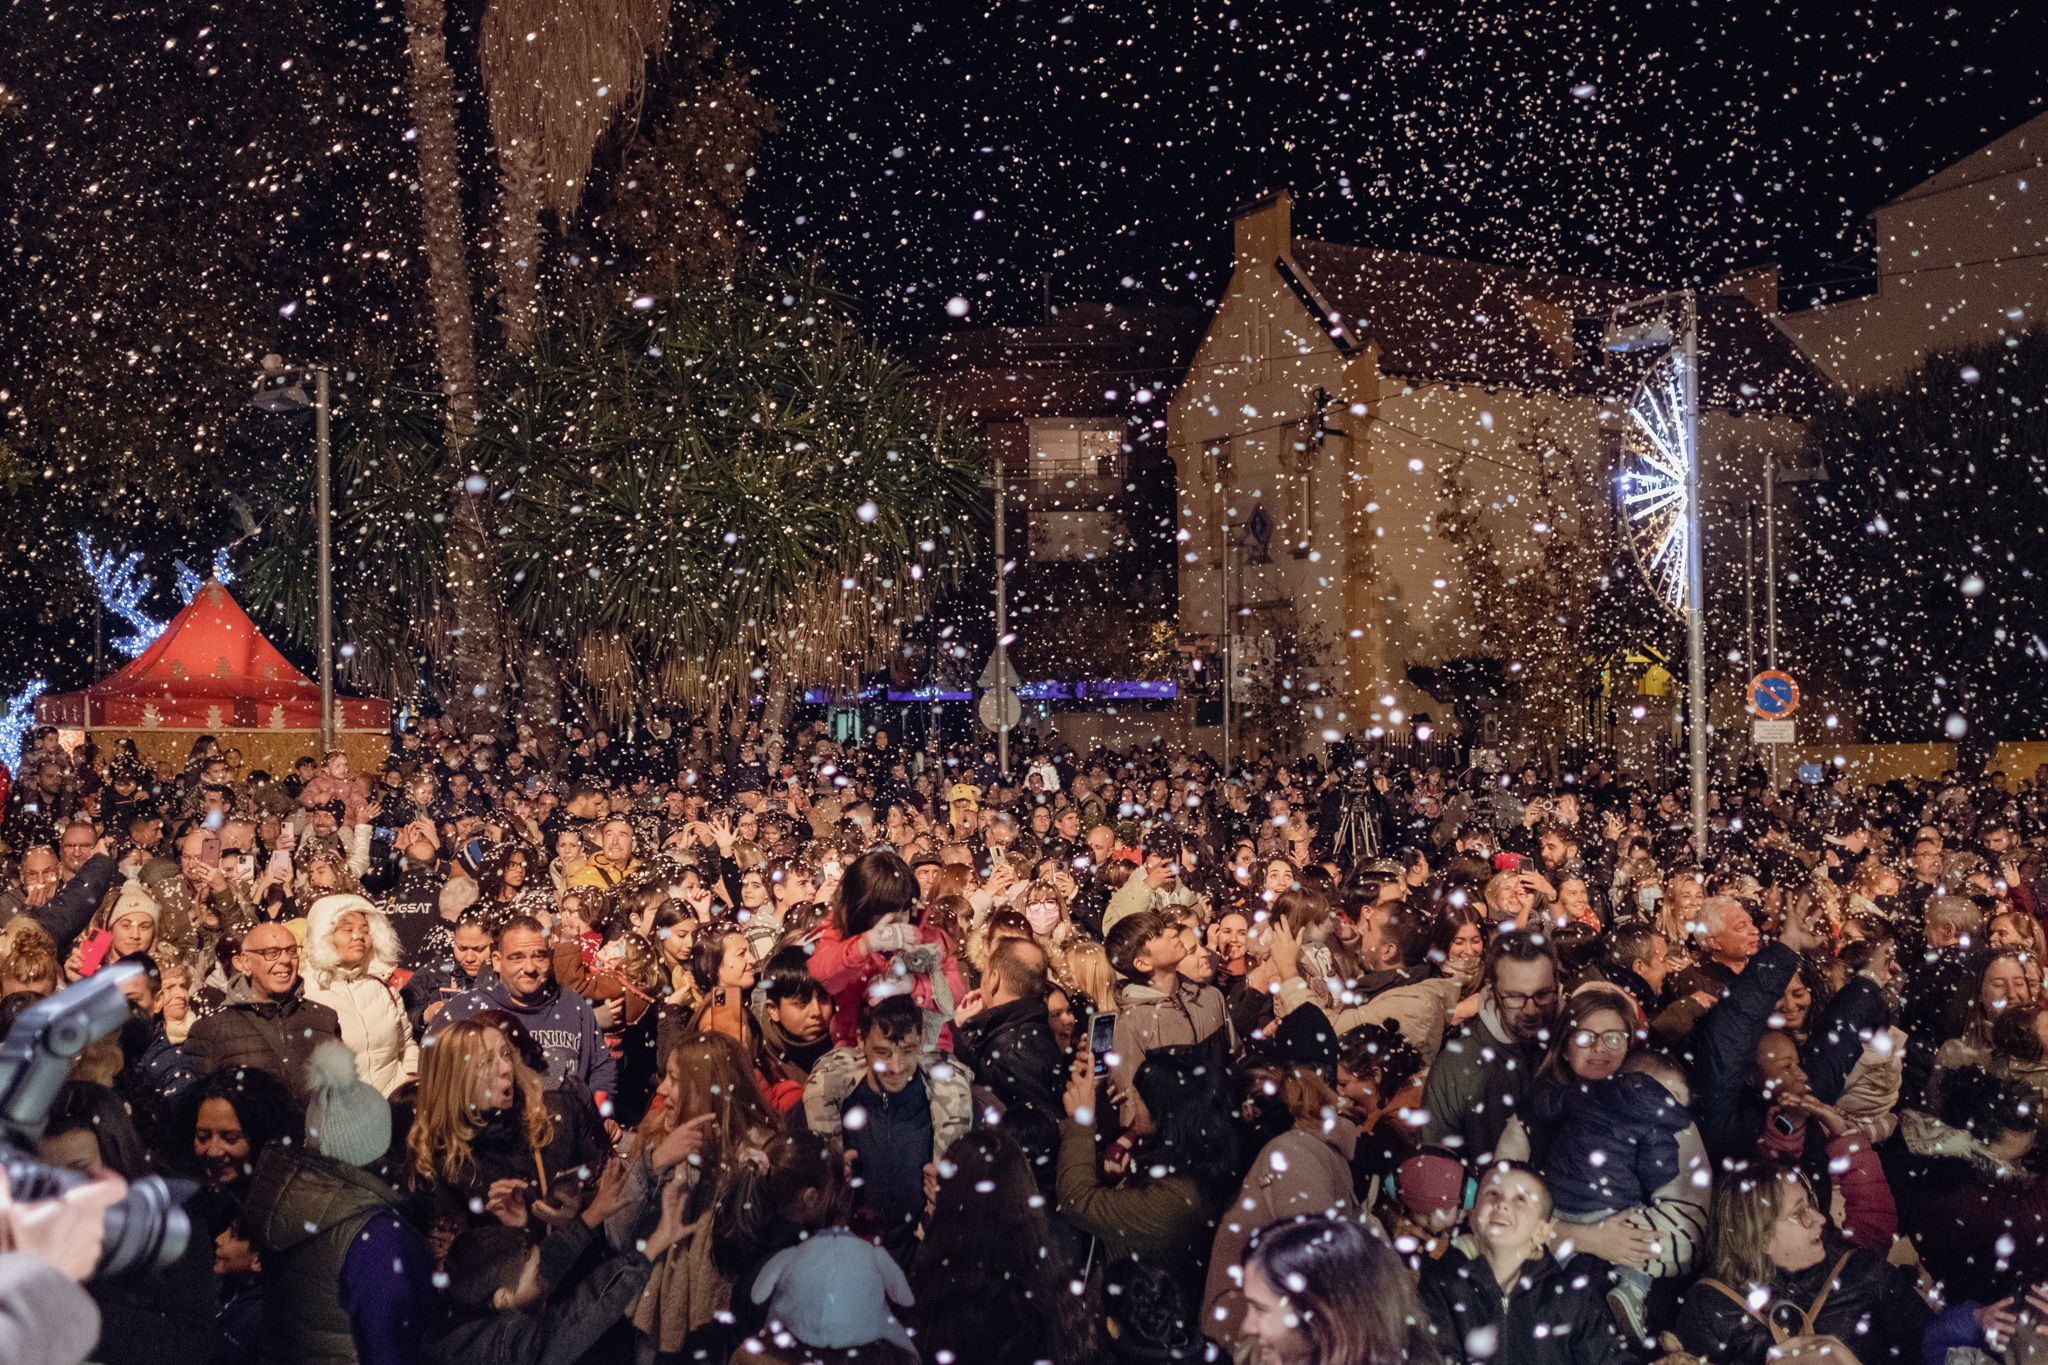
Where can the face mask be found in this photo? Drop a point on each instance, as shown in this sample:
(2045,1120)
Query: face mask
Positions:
(1042,916)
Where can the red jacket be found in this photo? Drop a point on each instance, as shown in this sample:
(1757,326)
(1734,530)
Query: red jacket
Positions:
(845,975)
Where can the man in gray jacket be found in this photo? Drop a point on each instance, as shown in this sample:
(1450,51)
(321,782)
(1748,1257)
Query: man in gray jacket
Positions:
(1482,1075)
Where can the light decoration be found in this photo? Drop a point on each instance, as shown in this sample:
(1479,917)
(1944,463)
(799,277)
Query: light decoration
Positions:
(16,720)
(122,585)
(190,582)
(1656,461)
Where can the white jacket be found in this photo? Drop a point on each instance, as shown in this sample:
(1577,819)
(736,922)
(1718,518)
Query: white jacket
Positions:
(373,1019)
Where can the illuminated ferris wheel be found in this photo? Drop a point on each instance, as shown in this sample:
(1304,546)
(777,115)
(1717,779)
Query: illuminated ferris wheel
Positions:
(1656,463)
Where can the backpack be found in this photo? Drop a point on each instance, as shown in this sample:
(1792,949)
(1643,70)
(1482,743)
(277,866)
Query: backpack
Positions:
(1804,1347)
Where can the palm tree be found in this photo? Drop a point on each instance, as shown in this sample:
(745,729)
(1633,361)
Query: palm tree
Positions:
(476,660)
(557,73)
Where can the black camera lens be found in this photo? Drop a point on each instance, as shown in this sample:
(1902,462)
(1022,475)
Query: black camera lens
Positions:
(144,1233)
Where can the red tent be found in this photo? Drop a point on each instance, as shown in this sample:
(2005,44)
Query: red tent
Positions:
(211,670)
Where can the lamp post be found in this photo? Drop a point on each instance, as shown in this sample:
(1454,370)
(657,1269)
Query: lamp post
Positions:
(1002,635)
(1658,334)
(290,398)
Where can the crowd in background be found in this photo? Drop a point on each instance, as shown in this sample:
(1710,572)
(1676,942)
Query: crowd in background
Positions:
(683,1045)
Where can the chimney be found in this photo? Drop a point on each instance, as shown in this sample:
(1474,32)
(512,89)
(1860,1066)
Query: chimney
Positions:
(1265,228)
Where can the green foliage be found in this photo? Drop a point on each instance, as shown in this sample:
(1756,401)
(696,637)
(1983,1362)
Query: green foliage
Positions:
(684,480)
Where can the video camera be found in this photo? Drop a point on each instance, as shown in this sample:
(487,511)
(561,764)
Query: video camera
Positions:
(149,1229)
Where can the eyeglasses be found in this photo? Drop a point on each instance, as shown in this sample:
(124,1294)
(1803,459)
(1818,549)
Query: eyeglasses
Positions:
(1610,1040)
(1518,1002)
(289,953)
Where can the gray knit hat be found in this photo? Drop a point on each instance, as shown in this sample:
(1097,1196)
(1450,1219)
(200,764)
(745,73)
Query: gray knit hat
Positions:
(346,1120)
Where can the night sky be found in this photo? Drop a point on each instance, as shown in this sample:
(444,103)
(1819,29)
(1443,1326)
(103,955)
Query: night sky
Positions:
(934,150)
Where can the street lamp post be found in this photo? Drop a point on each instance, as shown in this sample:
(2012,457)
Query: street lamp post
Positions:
(289,399)
(1002,689)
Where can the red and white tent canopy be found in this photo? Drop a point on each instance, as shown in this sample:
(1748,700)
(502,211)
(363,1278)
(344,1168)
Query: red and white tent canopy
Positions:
(211,669)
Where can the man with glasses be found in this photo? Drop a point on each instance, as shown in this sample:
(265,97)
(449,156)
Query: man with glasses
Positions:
(75,848)
(267,1023)
(62,906)
(1482,1075)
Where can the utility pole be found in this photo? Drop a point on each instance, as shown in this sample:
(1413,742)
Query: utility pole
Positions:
(323,482)
(285,400)
(1695,577)
(1770,561)
(1229,627)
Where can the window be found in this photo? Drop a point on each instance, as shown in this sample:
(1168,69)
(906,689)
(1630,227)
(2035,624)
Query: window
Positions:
(1068,454)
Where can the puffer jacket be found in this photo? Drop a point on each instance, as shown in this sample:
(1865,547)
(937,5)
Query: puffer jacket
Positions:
(370,1009)
(339,1264)
(1550,1315)
(1304,1172)
(1149,1018)
(1604,1146)
(277,1036)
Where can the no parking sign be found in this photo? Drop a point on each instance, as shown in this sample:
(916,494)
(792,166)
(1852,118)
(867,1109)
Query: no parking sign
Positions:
(1773,695)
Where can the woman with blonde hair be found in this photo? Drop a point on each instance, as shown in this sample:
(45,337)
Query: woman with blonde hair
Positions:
(485,1135)
(1090,977)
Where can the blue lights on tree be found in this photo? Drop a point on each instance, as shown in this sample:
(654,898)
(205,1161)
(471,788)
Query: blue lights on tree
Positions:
(16,720)
(122,585)
(189,582)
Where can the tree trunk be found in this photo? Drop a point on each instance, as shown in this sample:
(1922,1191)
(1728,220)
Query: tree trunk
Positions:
(478,662)
(519,245)
(540,685)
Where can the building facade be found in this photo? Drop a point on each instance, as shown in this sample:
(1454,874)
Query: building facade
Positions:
(1962,259)
(1376,450)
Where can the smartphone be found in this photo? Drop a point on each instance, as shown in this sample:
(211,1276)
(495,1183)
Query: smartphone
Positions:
(1102,1038)
(209,850)
(243,867)
(1648,896)
(1507,862)
(1783,1123)
(94,951)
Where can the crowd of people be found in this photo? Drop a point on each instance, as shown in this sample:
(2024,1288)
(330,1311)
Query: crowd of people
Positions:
(696,1045)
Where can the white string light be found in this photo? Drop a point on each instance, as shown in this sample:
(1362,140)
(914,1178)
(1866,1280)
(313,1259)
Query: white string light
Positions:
(1656,460)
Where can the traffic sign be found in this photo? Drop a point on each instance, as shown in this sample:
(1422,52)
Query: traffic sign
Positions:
(999,672)
(1000,709)
(1773,695)
(1772,731)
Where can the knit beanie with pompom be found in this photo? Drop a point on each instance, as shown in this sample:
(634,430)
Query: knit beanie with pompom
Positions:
(346,1120)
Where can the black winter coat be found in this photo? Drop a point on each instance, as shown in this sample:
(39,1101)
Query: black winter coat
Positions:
(277,1036)
(1876,1310)
(1011,1051)
(1730,1110)
(1551,1315)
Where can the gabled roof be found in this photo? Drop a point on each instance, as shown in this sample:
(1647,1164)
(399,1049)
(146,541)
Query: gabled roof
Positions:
(1461,320)
(2020,149)
(1087,360)
(1443,320)
(210,669)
